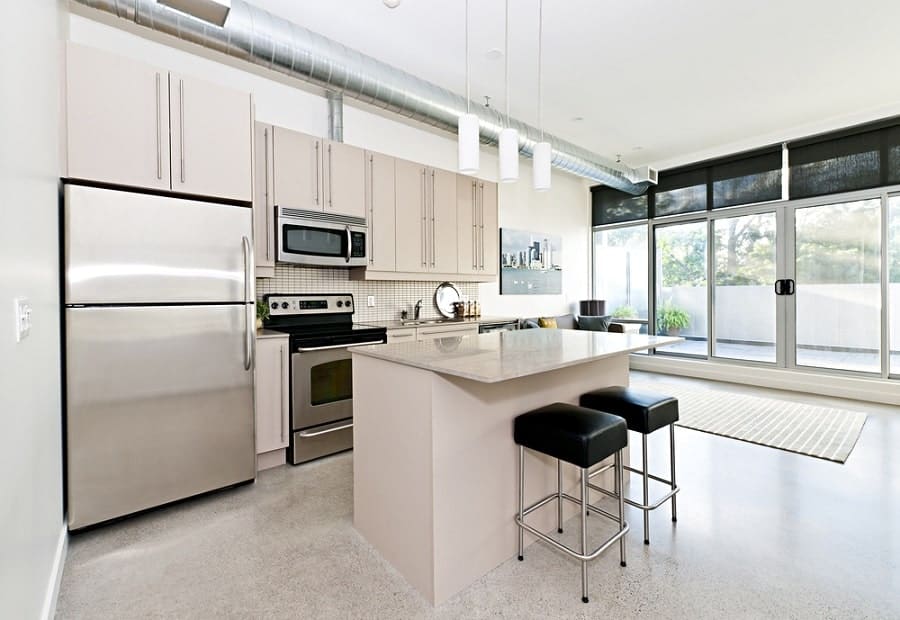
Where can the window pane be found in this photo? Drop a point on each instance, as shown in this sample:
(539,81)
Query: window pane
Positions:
(894,279)
(838,290)
(620,271)
(681,286)
(752,179)
(745,273)
(611,206)
(838,165)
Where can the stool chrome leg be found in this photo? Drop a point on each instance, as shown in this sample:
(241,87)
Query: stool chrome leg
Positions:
(646,491)
(521,500)
(620,482)
(559,498)
(584,550)
(672,464)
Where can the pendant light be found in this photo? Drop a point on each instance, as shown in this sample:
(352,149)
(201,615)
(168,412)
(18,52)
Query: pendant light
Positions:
(509,137)
(540,162)
(468,129)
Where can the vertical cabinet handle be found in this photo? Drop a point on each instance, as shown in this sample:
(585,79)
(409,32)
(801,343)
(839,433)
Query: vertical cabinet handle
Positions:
(181,123)
(330,190)
(474,227)
(317,172)
(283,386)
(266,190)
(158,130)
(432,219)
(424,221)
(371,210)
(481,224)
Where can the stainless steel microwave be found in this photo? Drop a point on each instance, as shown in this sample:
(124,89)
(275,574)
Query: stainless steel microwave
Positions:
(321,239)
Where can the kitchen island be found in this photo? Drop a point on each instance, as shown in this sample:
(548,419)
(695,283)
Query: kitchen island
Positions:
(434,464)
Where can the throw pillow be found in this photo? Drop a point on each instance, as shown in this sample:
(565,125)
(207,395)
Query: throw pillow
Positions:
(594,323)
(546,321)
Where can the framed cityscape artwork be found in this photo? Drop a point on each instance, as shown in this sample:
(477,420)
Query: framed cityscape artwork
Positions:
(530,263)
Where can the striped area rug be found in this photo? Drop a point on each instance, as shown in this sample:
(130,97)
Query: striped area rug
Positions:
(822,432)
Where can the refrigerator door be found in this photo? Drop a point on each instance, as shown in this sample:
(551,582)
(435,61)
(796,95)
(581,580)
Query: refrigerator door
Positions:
(128,248)
(159,406)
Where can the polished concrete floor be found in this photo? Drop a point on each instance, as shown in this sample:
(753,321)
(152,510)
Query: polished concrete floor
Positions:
(761,534)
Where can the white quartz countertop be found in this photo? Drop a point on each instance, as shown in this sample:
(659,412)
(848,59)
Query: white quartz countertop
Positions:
(501,356)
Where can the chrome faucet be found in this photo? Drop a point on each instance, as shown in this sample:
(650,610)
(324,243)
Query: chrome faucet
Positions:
(418,309)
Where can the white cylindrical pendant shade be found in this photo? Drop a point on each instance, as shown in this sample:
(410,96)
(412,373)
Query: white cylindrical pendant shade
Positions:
(509,155)
(540,173)
(469,145)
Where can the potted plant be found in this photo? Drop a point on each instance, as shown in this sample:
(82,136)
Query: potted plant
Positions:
(671,319)
(262,313)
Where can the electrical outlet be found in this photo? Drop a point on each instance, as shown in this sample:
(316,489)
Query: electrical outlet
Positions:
(370,301)
(23,318)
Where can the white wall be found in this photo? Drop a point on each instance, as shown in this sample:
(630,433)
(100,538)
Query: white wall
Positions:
(31,516)
(565,210)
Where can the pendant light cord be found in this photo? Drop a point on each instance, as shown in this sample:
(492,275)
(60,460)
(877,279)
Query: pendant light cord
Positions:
(540,64)
(468,89)
(506,56)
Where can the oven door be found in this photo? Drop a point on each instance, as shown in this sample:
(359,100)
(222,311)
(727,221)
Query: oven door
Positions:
(321,242)
(322,386)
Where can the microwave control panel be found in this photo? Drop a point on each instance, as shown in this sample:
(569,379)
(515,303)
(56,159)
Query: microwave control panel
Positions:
(285,305)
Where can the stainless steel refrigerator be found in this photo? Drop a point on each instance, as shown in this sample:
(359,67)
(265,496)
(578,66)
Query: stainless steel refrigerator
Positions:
(159,338)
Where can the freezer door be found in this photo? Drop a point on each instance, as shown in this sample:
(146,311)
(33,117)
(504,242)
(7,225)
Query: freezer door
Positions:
(123,248)
(159,406)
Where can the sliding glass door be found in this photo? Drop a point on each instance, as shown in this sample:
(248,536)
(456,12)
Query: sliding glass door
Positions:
(838,285)
(681,286)
(620,272)
(745,322)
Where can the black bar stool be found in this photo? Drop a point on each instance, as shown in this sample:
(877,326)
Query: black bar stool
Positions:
(644,412)
(582,437)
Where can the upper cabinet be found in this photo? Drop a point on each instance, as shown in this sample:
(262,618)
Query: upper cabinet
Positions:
(134,124)
(425,219)
(442,206)
(314,174)
(263,207)
(380,205)
(477,229)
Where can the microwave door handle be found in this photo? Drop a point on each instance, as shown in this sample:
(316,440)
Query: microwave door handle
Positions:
(337,346)
(349,243)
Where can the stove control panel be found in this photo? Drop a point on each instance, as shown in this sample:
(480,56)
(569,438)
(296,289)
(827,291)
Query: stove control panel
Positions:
(302,304)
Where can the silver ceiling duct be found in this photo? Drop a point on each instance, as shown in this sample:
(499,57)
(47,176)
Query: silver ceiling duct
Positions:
(264,39)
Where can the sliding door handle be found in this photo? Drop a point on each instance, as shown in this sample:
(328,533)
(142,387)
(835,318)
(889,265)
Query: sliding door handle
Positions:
(790,286)
(779,287)
(785,286)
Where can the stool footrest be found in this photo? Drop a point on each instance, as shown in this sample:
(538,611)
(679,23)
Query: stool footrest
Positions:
(630,502)
(568,550)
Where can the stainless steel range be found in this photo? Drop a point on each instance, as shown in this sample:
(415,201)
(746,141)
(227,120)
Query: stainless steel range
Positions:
(321,332)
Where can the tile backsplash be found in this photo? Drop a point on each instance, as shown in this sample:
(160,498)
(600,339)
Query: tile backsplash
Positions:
(390,296)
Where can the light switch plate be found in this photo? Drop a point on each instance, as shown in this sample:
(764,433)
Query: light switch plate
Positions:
(23,318)
(370,301)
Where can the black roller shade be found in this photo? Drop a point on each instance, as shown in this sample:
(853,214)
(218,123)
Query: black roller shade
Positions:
(756,178)
(891,140)
(610,206)
(680,192)
(836,165)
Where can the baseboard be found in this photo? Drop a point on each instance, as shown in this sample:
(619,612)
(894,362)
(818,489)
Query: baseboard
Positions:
(857,388)
(59,562)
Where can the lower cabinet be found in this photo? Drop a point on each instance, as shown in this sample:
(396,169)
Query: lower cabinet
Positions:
(272,398)
(406,334)
(446,331)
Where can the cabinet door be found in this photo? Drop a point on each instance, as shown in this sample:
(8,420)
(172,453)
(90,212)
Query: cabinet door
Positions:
(446,331)
(212,132)
(401,335)
(263,208)
(271,395)
(467,231)
(443,221)
(345,179)
(489,231)
(117,119)
(410,217)
(380,199)
(297,170)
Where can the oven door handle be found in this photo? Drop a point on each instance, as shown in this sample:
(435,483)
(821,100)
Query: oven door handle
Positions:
(337,346)
(330,429)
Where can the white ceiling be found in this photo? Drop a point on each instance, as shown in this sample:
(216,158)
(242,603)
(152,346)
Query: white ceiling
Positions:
(659,81)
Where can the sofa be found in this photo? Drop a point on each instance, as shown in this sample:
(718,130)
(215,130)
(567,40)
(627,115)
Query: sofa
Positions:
(570,321)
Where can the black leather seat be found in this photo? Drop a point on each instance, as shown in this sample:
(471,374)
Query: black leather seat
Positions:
(644,411)
(577,435)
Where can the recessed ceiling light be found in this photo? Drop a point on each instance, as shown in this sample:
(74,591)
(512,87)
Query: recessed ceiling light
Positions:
(495,53)
(637,148)
(391,4)
(577,119)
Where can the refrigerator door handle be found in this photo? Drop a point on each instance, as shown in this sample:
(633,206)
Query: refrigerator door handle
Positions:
(248,298)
